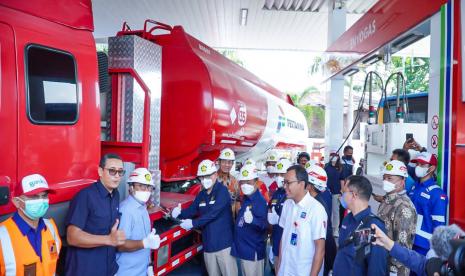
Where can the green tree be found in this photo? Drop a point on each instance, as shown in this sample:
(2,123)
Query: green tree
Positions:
(415,71)
(314,115)
(232,55)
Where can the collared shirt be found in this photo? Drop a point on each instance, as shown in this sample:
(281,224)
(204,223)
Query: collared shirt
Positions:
(214,217)
(334,179)
(93,210)
(347,167)
(231,183)
(34,236)
(431,204)
(249,238)
(266,179)
(399,215)
(277,201)
(135,223)
(303,223)
(345,263)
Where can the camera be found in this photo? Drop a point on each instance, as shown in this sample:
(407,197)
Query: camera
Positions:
(454,266)
(363,237)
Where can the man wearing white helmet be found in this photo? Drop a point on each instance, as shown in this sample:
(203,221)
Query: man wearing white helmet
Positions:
(250,227)
(270,164)
(317,178)
(213,204)
(133,256)
(397,211)
(275,207)
(225,162)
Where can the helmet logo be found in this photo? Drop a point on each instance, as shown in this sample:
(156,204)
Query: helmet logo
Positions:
(389,167)
(148,177)
(280,166)
(272,157)
(203,168)
(245,173)
(227,154)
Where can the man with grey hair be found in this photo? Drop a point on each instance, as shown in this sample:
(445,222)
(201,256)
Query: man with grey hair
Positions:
(421,265)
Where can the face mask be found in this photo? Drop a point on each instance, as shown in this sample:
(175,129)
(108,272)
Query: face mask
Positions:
(421,172)
(35,208)
(270,169)
(207,183)
(280,181)
(388,186)
(142,196)
(343,202)
(348,157)
(247,189)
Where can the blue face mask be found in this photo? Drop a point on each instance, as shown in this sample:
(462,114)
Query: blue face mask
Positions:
(342,200)
(35,208)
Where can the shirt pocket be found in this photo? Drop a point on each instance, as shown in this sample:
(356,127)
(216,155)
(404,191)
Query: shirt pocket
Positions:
(98,222)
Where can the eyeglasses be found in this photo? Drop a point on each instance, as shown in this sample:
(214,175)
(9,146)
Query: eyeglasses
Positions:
(113,172)
(143,187)
(287,183)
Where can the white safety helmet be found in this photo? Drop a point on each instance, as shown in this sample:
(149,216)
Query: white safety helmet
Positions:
(317,177)
(396,167)
(249,161)
(282,166)
(142,176)
(310,163)
(227,154)
(272,157)
(247,172)
(206,167)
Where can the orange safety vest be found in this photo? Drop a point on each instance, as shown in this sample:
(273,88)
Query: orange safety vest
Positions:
(17,256)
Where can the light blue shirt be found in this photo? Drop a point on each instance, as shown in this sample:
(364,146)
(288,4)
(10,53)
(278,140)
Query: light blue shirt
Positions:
(135,223)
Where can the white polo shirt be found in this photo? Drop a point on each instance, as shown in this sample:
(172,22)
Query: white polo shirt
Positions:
(303,223)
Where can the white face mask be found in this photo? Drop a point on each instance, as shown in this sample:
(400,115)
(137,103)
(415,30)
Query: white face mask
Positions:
(388,186)
(270,169)
(280,181)
(207,183)
(247,189)
(421,171)
(142,196)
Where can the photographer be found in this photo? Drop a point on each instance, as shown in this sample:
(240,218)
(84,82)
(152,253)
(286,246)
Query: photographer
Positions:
(440,243)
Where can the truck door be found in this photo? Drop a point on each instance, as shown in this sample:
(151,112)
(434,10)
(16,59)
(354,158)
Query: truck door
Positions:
(8,117)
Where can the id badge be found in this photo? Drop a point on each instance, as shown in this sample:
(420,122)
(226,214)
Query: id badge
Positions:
(294,239)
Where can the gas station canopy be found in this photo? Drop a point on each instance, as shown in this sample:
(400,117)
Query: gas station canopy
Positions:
(238,24)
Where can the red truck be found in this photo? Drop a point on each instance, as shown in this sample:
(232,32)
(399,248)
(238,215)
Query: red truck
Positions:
(160,98)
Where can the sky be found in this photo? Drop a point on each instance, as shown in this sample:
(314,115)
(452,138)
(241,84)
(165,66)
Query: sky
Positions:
(288,71)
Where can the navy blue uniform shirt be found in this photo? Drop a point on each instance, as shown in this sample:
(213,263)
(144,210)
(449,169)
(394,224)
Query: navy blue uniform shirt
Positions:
(93,210)
(347,167)
(334,179)
(277,201)
(345,264)
(215,217)
(34,236)
(249,238)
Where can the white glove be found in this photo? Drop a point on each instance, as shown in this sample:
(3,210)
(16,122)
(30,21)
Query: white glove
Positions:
(152,240)
(186,224)
(248,217)
(273,217)
(176,211)
(150,271)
